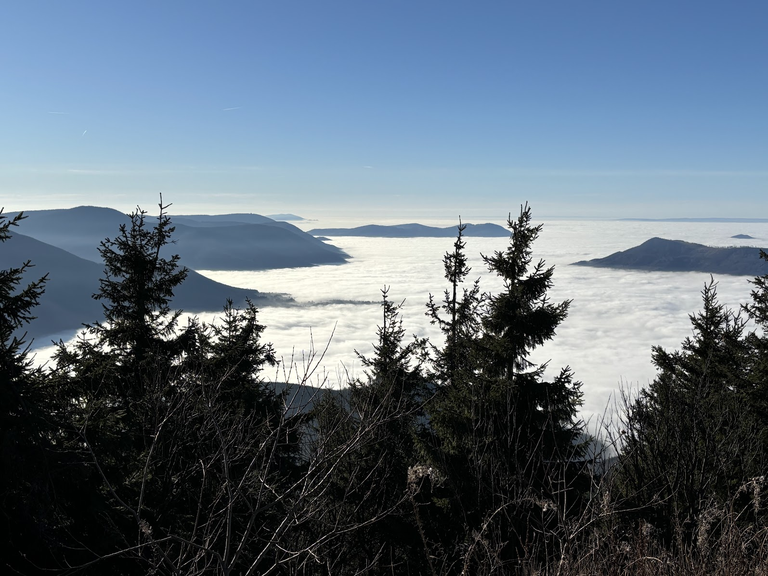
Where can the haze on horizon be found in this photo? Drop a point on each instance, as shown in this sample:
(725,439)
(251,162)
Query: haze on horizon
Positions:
(389,110)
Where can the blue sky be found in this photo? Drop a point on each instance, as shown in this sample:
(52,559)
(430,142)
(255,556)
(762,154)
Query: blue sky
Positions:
(389,108)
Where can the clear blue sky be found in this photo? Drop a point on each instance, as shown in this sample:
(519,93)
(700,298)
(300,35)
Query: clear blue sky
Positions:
(387,107)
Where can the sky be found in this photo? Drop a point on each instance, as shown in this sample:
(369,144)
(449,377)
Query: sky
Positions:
(387,108)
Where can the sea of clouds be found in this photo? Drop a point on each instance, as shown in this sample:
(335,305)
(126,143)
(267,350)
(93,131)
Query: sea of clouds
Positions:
(616,316)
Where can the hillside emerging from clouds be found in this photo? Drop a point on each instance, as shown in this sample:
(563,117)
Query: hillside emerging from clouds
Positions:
(71,280)
(661,255)
(106,427)
(414,231)
(221,242)
(63,246)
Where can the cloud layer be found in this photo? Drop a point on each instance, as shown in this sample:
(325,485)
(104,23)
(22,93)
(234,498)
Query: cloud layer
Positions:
(615,318)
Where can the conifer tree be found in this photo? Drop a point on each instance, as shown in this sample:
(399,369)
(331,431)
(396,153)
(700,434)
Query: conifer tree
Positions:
(186,455)
(387,405)
(506,439)
(538,419)
(458,316)
(527,427)
(27,515)
(136,291)
(389,372)
(541,415)
(235,357)
(689,438)
(449,444)
(757,310)
(116,389)
(16,305)
(456,364)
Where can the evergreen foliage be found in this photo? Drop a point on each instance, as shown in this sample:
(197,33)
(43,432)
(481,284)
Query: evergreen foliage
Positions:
(391,375)
(505,439)
(690,437)
(391,396)
(136,291)
(16,305)
(541,415)
(155,448)
(26,520)
(757,340)
(170,424)
(459,318)
(450,443)
(758,308)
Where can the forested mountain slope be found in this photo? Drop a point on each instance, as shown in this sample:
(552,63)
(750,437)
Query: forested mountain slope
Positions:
(73,280)
(222,242)
(659,254)
(414,231)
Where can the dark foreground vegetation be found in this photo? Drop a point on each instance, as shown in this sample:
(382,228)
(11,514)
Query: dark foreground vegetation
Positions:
(149,447)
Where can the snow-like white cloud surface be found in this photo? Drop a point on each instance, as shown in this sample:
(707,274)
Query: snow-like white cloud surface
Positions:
(614,320)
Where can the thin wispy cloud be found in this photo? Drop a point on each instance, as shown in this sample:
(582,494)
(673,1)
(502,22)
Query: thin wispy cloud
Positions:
(142,170)
(84,132)
(97,172)
(225,195)
(650,172)
(230,109)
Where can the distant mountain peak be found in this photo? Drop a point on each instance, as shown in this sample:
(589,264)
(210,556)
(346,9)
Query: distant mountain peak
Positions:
(662,255)
(204,242)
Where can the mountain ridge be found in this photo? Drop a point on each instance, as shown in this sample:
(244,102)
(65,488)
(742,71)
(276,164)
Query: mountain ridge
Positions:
(663,255)
(414,230)
(221,242)
(67,302)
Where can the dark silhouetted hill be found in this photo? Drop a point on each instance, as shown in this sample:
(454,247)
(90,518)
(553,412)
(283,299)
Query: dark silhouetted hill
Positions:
(743,237)
(414,231)
(252,247)
(76,230)
(662,255)
(222,242)
(220,219)
(67,302)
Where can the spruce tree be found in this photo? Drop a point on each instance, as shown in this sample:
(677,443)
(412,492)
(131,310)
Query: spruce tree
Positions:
(458,317)
(757,310)
(387,405)
(16,305)
(136,291)
(689,440)
(27,509)
(538,418)
(506,440)
(235,357)
(118,388)
(187,460)
(449,444)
